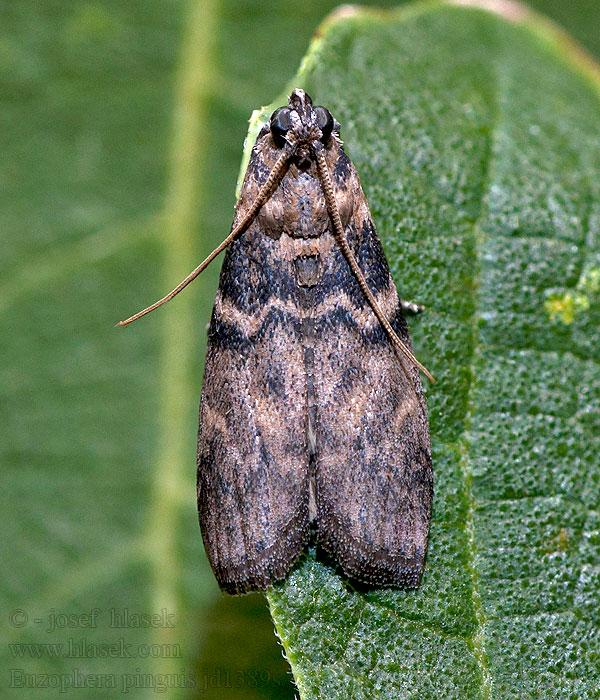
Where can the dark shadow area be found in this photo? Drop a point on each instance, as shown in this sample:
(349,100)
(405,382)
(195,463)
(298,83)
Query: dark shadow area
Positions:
(350,584)
(241,658)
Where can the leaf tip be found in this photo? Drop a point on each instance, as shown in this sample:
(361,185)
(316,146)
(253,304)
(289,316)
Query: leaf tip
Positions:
(508,9)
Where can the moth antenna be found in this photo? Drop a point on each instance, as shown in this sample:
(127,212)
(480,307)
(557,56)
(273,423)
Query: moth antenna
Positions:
(346,250)
(263,195)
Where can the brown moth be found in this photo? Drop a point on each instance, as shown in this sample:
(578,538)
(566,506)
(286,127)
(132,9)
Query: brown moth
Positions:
(312,414)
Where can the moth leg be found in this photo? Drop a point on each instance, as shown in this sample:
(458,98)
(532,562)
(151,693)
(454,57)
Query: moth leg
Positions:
(411,308)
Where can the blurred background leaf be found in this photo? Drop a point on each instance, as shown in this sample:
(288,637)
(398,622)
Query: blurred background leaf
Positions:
(122,131)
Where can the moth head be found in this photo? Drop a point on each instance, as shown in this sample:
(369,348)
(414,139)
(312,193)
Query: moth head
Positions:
(301,123)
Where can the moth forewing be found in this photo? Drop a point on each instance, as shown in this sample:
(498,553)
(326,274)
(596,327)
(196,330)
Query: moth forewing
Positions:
(312,410)
(305,399)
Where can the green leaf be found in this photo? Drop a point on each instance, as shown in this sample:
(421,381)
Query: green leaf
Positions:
(477,139)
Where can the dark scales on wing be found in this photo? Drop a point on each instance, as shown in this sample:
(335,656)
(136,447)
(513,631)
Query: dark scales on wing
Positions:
(308,412)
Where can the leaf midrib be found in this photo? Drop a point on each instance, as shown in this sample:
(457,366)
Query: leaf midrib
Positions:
(194,81)
(479,237)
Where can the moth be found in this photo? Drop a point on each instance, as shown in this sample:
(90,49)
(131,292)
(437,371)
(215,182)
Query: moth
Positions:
(313,420)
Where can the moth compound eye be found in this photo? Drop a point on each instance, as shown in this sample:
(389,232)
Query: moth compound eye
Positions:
(280,125)
(325,122)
